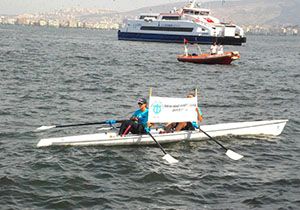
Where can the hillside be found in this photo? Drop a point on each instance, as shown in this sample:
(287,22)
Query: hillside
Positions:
(282,12)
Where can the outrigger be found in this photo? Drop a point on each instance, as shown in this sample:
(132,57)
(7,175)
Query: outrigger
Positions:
(164,110)
(111,138)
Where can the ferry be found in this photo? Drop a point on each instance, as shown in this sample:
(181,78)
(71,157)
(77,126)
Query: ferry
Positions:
(190,22)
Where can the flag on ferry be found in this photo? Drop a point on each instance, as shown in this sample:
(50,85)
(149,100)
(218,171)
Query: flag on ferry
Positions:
(165,109)
(209,20)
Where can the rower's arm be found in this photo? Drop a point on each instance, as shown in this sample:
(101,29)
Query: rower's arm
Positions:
(199,115)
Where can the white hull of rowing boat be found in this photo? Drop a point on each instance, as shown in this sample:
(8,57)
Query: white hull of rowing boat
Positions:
(271,127)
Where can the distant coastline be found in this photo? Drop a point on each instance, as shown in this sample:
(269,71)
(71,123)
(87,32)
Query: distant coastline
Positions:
(67,18)
(254,29)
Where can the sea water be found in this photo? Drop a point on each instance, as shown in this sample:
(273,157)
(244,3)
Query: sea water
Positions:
(66,76)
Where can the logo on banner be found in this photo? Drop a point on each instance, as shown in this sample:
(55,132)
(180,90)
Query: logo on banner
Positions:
(156,107)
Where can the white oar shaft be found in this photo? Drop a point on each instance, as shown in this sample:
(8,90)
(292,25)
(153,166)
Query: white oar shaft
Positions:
(110,122)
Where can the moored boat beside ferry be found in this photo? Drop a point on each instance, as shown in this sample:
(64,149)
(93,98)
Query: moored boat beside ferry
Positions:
(190,22)
(226,58)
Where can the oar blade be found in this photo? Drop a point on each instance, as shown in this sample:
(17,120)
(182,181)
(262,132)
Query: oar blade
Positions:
(170,159)
(44,127)
(233,155)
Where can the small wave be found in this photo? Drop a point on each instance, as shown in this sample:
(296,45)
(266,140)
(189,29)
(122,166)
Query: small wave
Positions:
(99,202)
(82,57)
(285,182)
(5,181)
(255,202)
(174,190)
(17,135)
(154,177)
(60,203)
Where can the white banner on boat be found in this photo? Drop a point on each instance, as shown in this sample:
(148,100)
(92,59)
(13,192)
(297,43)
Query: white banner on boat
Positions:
(165,109)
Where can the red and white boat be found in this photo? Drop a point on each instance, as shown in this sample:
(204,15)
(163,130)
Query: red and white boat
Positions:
(205,58)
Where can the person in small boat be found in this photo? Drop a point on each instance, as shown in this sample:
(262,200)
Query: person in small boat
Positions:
(220,49)
(186,51)
(179,126)
(138,123)
(213,49)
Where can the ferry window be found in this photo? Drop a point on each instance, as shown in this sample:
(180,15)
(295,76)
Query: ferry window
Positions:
(154,28)
(147,16)
(197,13)
(188,12)
(170,18)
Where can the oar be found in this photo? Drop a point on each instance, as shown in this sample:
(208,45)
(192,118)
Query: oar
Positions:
(233,155)
(110,122)
(167,156)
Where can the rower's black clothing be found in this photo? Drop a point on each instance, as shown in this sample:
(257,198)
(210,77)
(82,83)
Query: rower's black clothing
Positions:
(189,127)
(135,128)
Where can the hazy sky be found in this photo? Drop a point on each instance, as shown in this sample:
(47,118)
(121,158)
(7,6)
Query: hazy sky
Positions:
(35,6)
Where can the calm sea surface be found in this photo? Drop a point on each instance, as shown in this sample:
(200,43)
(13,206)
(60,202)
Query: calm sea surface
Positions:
(60,76)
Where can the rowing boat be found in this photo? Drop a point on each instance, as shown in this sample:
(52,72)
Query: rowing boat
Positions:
(253,128)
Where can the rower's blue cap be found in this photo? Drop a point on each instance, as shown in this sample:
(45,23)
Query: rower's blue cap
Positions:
(141,101)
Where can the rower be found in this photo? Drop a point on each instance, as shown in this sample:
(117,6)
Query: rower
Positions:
(138,123)
(178,126)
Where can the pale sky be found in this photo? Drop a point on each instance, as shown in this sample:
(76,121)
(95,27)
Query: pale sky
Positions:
(10,7)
